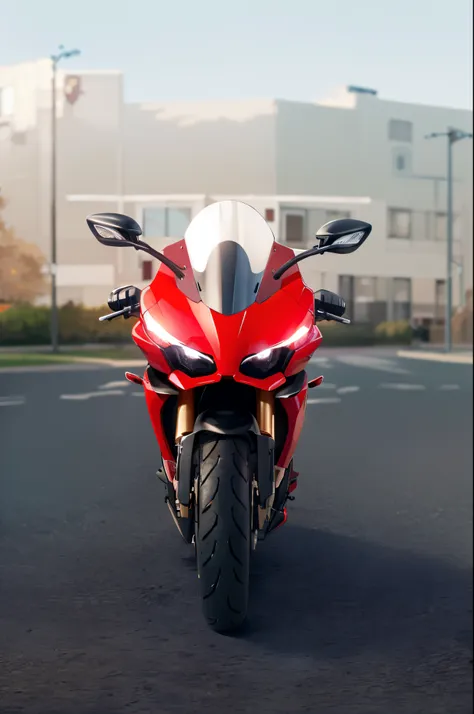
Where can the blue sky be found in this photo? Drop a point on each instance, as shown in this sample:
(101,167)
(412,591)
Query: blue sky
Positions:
(409,50)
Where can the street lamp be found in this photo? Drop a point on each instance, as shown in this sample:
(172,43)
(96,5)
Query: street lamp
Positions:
(452,135)
(55,59)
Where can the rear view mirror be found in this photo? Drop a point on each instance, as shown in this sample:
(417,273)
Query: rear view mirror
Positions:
(114,229)
(326,301)
(343,235)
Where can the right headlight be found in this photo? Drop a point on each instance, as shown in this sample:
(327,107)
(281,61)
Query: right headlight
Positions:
(263,364)
(274,359)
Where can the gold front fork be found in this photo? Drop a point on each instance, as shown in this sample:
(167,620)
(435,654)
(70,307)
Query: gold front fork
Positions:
(266,424)
(185,414)
(266,412)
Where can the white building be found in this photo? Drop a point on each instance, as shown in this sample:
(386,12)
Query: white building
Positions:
(300,164)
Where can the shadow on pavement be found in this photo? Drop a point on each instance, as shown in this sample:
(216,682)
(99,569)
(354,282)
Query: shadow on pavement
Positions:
(319,594)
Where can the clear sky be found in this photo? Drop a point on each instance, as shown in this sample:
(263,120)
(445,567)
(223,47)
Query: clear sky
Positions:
(409,50)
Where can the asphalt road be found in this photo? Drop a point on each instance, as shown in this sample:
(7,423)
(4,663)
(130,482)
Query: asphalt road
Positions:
(361,603)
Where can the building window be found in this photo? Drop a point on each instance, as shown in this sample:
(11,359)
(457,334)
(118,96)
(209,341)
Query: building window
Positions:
(147,270)
(402,160)
(400,130)
(401,297)
(399,223)
(364,299)
(336,215)
(295,227)
(6,101)
(165,222)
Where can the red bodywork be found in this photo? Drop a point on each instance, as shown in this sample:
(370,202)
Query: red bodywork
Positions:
(282,307)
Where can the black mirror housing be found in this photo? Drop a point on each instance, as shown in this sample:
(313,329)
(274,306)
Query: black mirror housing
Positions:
(327,301)
(343,235)
(114,229)
(126,296)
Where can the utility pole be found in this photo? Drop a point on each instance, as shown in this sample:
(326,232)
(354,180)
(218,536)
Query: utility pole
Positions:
(55,59)
(453,135)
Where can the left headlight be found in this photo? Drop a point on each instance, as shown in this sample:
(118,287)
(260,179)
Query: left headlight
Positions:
(178,355)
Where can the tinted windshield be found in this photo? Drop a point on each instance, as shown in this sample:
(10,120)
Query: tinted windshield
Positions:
(229,244)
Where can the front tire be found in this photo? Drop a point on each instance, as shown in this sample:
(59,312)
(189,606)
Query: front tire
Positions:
(223,529)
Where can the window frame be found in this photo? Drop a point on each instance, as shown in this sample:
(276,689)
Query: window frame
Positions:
(166,208)
(300,212)
(390,212)
(394,136)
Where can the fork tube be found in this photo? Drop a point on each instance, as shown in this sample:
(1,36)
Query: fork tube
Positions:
(266,412)
(185,414)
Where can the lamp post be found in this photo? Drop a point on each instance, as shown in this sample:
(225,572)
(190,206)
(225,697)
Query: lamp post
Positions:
(453,135)
(55,59)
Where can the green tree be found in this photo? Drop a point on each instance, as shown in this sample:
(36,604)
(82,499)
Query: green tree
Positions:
(21,263)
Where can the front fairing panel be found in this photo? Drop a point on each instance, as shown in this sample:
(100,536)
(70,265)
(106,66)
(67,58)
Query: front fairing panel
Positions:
(229,338)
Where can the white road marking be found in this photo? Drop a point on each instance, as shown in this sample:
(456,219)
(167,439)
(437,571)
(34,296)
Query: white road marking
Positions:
(347,390)
(368,362)
(138,394)
(329,400)
(325,385)
(322,361)
(114,385)
(89,395)
(12,401)
(403,387)
(449,387)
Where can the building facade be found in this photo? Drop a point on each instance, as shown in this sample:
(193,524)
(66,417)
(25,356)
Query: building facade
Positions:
(300,164)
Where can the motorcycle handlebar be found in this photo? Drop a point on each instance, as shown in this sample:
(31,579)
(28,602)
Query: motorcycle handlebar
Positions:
(329,316)
(126,312)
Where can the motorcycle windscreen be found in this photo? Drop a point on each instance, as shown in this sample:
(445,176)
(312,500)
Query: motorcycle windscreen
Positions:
(229,244)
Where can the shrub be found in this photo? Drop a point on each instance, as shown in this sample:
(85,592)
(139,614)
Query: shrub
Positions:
(337,335)
(398,332)
(30,325)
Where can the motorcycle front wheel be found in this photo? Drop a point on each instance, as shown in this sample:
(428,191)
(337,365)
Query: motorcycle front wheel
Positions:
(223,529)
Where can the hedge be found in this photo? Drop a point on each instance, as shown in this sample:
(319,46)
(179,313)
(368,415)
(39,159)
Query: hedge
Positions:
(386,333)
(30,325)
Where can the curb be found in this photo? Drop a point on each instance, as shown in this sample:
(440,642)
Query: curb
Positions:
(437,357)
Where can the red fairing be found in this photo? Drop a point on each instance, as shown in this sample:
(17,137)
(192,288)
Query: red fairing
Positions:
(295,408)
(227,338)
(155,403)
(175,315)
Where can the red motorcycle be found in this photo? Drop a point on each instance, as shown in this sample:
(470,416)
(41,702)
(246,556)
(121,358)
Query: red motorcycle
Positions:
(227,327)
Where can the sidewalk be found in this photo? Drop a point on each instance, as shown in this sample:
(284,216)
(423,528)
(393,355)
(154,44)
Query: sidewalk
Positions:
(455,357)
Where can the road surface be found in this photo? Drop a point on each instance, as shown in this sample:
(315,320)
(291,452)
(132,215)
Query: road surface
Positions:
(361,603)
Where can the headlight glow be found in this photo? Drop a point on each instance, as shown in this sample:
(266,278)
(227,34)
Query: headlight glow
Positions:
(178,355)
(273,359)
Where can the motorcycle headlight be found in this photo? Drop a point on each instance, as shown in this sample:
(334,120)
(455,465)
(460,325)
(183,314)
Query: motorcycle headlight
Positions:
(178,355)
(265,363)
(274,359)
(189,361)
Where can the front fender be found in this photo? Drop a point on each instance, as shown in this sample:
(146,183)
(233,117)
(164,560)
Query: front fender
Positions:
(226,423)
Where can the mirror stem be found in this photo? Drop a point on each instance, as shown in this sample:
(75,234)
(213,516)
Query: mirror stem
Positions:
(290,263)
(166,261)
